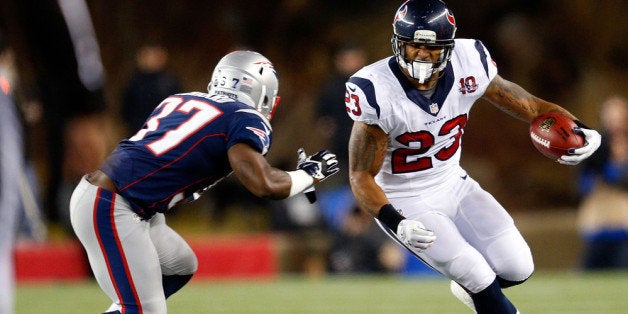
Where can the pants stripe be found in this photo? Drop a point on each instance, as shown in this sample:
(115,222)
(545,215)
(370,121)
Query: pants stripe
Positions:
(110,245)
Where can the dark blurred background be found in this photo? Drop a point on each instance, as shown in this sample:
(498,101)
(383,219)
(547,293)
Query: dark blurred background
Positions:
(572,52)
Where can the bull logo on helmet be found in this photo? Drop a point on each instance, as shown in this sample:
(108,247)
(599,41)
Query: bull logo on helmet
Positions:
(401,13)
(451,18)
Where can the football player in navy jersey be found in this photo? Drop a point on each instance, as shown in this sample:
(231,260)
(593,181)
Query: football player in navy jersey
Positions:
(409,113)
(190,142)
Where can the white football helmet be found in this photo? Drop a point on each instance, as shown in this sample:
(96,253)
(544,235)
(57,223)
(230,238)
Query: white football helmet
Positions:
(248,77)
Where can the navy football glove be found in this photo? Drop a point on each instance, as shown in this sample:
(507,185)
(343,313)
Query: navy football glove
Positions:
(320,165)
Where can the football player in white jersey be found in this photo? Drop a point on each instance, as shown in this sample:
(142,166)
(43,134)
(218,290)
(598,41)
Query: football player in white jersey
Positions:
(409,113)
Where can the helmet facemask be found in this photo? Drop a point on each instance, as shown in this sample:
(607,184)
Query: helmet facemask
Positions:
(421,70)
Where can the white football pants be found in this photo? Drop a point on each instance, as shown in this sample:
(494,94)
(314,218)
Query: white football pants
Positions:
(476,239)
(128,255)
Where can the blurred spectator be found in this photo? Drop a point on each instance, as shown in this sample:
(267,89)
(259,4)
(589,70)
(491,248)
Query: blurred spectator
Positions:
(149,85)
(335,196)
(358,247)
(59,47)
(30,222)
(603,214)
(11,165)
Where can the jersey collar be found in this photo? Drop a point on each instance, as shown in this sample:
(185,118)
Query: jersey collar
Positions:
(434,103)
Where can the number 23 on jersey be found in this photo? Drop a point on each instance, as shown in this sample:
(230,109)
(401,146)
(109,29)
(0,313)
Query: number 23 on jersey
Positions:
(418,143)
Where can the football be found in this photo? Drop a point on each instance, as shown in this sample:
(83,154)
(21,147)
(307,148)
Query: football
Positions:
(552,134)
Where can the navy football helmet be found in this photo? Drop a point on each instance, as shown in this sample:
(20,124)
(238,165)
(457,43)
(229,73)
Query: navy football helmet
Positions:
(424,22)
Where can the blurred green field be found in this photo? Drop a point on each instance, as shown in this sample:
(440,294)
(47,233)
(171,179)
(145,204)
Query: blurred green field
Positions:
(546,292)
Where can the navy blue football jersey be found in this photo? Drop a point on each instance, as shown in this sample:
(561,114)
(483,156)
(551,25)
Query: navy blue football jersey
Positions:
(182,149)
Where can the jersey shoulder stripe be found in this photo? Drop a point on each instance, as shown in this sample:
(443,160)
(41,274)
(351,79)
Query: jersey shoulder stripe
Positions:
(369,91)
(480,48)
(468,52)
(257,113)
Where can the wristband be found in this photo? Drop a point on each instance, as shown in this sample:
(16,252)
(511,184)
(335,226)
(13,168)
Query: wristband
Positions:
(390,216)
(300,181)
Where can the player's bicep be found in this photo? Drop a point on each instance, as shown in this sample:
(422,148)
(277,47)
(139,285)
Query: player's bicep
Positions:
(367,148)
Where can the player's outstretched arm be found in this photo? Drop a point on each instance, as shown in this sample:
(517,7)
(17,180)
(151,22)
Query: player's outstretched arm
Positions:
(367,149)
(265,181)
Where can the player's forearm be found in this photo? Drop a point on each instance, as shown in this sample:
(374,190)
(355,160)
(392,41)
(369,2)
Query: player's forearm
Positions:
(268,183)
(367,193)
(517,102)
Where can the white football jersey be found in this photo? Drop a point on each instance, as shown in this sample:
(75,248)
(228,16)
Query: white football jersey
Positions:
(424,135)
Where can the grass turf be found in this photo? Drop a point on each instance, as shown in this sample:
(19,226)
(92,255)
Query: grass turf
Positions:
(546,292)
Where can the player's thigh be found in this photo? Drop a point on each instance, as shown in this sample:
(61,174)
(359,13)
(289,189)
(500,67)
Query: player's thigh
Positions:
(175,255)
(118,246)
(486,225)
(450,254)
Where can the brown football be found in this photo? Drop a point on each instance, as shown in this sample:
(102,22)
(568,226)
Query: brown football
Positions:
(552,134)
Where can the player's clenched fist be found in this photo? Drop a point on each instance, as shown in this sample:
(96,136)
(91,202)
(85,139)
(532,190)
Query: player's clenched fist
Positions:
(592,140)
(320,165)
(413,234)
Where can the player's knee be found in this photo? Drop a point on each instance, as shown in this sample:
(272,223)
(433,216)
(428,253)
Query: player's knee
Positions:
(190,263)
(194,265)
(511,258)
(470,270)
(516,271)
(185,263)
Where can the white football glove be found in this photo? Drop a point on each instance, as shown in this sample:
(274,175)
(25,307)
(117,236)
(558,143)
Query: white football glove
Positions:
(413,234)
(592,140)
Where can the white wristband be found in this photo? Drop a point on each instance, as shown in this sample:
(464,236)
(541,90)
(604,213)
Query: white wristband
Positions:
(300,181)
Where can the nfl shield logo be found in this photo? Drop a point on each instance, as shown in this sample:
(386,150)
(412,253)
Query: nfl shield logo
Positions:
(434,108)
